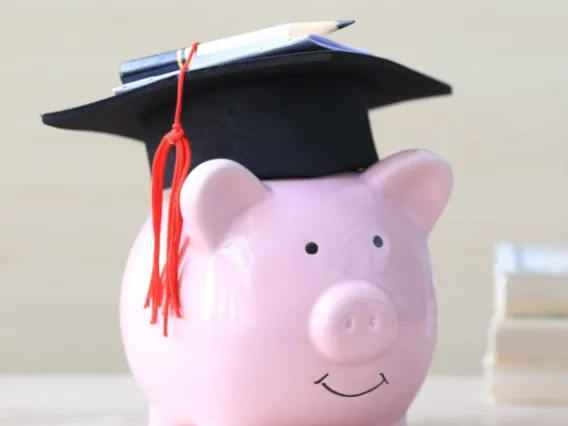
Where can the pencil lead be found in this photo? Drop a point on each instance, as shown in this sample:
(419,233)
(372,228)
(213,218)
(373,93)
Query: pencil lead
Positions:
(345,23)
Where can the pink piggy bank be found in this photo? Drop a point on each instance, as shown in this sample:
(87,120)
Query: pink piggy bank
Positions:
(305,302)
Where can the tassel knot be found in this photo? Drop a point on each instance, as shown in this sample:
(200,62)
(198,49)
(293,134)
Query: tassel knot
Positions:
(176,134)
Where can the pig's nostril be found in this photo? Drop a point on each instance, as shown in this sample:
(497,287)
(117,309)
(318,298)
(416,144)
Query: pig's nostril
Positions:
(349,324)
(374,323)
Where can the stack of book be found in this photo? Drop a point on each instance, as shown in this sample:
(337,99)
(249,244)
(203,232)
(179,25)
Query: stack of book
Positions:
(527,354)
(278,40)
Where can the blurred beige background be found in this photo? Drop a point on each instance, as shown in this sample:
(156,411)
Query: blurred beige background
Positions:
(73,203)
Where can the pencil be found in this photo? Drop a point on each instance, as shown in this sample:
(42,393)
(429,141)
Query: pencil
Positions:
(137,69)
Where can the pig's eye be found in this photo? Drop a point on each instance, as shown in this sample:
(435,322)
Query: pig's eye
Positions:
(378,241)
(311,248)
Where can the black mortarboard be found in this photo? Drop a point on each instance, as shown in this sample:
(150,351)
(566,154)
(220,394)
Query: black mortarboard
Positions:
(295,115)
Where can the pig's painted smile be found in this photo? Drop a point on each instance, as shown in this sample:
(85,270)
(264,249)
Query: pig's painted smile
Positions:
(321,381)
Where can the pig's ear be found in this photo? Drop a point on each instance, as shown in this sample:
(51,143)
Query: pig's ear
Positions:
(213,196)
(419,179)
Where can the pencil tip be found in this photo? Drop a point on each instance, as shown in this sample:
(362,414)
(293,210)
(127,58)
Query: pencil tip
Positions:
(344,23)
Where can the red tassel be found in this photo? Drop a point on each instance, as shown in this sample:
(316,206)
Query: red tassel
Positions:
(166,290)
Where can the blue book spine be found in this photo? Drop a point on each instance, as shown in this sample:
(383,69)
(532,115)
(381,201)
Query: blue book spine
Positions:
(154,65)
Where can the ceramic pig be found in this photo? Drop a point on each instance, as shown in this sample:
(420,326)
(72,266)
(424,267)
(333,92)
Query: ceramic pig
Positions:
(305,302)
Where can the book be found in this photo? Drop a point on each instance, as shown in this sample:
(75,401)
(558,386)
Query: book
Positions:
(533,295)
(507,385)
(537,344)
(259,49)
(161,63)
(528,388)
(531,280)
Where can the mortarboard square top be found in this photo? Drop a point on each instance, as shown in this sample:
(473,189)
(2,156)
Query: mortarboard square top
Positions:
(294,115)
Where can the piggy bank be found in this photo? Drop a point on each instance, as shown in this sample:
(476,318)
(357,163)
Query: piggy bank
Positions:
(306,302)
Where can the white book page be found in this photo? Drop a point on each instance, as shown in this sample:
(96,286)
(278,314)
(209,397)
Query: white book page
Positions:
(531,258)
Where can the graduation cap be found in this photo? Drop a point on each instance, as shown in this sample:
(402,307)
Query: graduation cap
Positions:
(294,115)
(295,110)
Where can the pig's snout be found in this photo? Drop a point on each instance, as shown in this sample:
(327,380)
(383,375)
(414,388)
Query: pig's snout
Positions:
(353,322)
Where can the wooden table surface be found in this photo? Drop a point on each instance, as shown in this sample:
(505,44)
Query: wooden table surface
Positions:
(115,401)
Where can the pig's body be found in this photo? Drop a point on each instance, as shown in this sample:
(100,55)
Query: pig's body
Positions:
(277,333)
